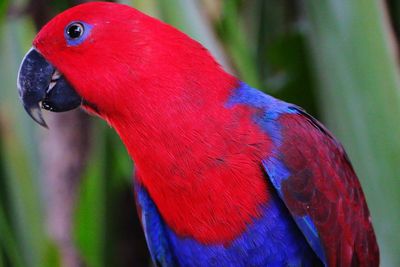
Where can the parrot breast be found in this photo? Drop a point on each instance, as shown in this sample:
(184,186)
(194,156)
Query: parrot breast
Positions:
(211,185)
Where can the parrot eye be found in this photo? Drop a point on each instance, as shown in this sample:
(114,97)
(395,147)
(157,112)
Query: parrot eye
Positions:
(75,30)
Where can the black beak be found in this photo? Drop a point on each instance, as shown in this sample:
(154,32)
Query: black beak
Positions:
(40,85)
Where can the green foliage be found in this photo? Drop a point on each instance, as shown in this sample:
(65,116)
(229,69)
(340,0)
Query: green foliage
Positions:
(8,243)
(90,214)
(232,34)
(333,57)
(23,211)
(3,8)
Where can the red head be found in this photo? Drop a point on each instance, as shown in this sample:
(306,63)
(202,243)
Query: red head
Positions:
(125,59)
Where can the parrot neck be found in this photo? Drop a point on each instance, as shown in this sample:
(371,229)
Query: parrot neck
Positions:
(169,110)
(198,159)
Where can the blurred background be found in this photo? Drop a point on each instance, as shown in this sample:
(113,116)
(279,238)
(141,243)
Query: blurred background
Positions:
(66,193)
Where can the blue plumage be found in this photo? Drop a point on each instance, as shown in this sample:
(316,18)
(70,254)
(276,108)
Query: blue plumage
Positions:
(154,228)
(272,240)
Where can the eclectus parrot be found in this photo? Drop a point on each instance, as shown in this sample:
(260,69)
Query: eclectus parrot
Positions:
(225,175)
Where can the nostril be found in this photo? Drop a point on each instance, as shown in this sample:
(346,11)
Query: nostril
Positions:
(47,106)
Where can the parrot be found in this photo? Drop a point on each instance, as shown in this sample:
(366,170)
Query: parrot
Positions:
(225,174)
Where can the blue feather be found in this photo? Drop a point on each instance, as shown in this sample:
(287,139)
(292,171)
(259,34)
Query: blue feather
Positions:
(272,240)
(154,229)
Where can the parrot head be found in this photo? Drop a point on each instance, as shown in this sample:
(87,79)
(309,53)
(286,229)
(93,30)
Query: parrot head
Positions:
(112,60)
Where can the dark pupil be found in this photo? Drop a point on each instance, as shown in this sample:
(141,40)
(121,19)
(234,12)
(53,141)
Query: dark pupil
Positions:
(75,31)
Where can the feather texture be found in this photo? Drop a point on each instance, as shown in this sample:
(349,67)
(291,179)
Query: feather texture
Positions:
(312,174)
(272,240)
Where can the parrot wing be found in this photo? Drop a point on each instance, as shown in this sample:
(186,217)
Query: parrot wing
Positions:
(313,176)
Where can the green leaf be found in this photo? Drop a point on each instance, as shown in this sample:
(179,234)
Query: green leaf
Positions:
(235,40)
(3,8)
(90,216)
(8,243)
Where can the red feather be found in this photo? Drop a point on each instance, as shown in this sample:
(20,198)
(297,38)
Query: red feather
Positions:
(324,186)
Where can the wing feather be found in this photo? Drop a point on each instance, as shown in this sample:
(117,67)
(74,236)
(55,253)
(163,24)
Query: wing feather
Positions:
(322,192)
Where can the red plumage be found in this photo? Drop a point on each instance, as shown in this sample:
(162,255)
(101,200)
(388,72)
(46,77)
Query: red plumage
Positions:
(323,185)
(211,185)
(199,184)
